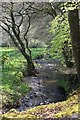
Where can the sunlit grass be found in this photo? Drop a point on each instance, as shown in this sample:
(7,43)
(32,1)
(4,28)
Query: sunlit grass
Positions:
(6,49)
(12,86)
(12,73)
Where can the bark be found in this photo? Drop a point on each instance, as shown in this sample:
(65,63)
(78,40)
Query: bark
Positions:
(30,65)
(73,18)
(21,47)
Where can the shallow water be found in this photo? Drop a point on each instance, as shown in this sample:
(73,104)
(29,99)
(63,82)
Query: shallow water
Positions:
(44,86)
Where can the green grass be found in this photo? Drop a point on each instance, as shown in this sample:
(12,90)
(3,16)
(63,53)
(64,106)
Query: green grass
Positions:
(14,52)
(12,86)
(38,51)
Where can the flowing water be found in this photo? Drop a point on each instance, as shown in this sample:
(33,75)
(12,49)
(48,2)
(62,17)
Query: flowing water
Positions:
(44,87)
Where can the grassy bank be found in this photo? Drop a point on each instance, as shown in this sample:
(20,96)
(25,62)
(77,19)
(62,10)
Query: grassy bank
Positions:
(12,86)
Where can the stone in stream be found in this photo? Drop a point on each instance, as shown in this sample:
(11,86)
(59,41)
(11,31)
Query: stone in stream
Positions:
(27,104)
(31,96)
(41,103)
(36,103)
(25,99)
(38,82)
(46,102)
(30,104)
(21,108)
(35,95)
(74,116)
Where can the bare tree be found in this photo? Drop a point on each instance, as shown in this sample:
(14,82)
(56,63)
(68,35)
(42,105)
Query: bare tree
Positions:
(12,21)
(13,17)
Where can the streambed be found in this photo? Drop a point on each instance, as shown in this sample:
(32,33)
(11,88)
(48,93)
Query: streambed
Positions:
(44,87)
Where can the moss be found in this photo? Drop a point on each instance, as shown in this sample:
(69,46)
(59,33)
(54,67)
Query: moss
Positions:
(67,112)
(54,110)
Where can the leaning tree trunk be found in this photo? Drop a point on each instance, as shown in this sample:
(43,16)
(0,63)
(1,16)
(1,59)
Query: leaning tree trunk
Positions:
(30,65)
(73,19)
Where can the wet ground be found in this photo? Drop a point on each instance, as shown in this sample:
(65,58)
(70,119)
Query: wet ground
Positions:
(44,87)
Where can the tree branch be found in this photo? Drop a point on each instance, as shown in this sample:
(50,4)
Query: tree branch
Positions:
(15,32)
(13,39)
(28,26)
(26,39)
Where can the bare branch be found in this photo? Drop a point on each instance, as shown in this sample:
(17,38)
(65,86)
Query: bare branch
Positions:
(13,39)
(8,19)
(15,32)
(21,21)
(28,26)
(4,29)
(26,39)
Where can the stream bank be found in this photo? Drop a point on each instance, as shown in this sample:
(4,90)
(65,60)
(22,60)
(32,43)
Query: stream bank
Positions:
(46,100)
(44,87)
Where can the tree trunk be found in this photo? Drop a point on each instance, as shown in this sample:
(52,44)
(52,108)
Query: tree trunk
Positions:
(73,19)
(30,65)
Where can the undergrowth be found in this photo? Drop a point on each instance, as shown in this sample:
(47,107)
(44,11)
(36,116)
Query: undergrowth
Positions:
(12,69)
(12,86)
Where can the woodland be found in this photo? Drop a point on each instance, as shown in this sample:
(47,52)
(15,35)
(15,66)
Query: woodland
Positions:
(39,60)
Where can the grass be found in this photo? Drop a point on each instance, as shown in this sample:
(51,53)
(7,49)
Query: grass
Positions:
(14,51)
(12,86)
(38,51)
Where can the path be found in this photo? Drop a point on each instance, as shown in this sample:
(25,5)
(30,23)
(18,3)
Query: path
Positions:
(44,87)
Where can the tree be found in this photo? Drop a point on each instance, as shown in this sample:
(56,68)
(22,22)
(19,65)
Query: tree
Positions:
(61,42)
(73,18)
(12,19)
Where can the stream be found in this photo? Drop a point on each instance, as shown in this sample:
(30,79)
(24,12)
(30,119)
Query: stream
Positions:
(44,87)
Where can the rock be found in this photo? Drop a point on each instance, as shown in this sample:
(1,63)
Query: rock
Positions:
(36,103)
(30,104)
(39,82)
(27,104)
(46,102)
(41,103)
(20,109)
(74,116)
(35,95)
(31,96)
